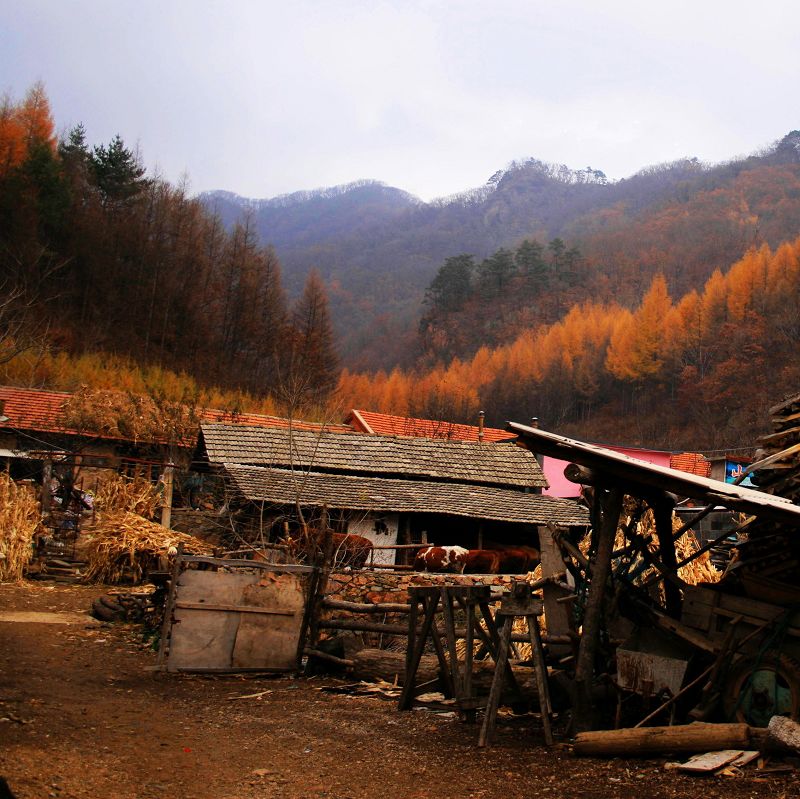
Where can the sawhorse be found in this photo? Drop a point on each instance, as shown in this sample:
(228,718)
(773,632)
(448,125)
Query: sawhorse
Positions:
(520,602)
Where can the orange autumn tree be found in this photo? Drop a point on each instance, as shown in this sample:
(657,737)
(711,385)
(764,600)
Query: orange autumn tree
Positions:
(23,125)
(638,345)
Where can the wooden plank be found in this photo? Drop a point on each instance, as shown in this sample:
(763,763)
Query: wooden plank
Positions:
(232,608)
(271,640)
(710,761)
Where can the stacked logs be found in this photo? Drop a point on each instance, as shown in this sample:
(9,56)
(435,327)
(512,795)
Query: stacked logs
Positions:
(767,566)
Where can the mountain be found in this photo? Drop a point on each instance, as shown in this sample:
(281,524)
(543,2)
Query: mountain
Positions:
(378,247)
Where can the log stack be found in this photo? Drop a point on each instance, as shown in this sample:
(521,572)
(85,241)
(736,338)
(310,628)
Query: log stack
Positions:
(769,561)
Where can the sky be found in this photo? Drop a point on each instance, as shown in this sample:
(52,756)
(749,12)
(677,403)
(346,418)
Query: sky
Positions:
(264,98)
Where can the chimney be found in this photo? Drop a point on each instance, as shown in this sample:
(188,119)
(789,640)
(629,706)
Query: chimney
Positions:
(481,417)
(3,417)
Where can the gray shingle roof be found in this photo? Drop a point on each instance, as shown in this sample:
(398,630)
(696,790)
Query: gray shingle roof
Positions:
(282,486)
(462,461)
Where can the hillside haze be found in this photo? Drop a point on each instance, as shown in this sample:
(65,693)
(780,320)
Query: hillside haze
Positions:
(379,247)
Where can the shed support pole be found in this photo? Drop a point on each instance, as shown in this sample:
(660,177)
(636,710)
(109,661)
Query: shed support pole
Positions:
(610,505)
(663,516)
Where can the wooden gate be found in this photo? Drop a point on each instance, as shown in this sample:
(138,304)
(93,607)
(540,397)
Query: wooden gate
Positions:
(242,616)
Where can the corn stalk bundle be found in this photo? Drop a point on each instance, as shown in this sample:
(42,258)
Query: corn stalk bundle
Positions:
(126,545)
(20,520)
(135,494)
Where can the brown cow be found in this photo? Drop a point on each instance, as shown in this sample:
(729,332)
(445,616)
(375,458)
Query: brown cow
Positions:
(515,558)
(351,550)
(441,559)
(482,561)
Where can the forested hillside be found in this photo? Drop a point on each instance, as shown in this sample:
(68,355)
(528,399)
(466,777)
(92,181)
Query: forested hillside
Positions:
(658,310)
(683,219)
(694,371)
(96,256)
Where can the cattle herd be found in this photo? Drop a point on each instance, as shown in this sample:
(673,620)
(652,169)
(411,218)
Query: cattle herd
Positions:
(354,551)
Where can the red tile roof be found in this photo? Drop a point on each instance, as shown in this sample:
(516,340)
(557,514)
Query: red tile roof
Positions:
(691,462)
(40,411)
(384,424)
(29,409)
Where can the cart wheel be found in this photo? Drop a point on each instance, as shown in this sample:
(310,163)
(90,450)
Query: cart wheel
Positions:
(757,689)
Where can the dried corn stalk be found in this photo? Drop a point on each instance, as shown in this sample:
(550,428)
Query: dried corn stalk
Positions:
(20,520)
(126,545)
(135,494)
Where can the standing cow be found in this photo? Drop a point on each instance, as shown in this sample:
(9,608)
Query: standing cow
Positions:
(441,559)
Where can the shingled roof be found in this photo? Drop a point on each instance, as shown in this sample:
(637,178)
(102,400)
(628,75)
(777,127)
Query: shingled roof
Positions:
(282,486)
(459,461)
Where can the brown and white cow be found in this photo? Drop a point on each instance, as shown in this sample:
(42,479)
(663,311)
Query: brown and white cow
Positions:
(441,559)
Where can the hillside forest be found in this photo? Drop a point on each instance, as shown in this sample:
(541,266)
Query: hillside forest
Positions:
(658,311)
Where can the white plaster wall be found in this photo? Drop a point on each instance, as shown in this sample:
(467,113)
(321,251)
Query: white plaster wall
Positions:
(365,524)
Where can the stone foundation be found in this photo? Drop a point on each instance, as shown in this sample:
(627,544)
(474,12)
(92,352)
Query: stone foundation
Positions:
(381,585)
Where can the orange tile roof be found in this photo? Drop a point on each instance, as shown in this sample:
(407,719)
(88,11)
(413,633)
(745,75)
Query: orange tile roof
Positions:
(36,410)
(691,462)
(384,424)
(30,409)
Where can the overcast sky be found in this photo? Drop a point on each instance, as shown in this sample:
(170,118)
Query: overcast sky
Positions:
(263,98)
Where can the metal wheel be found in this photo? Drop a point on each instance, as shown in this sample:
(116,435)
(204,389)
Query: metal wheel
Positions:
(758,689)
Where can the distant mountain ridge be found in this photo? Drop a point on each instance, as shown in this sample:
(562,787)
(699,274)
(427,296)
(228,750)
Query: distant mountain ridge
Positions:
(379,246)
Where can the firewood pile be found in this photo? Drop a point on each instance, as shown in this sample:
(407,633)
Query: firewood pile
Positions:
(767,564)
(125,546)
(20,521)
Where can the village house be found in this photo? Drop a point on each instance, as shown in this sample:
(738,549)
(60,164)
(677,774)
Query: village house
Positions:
(388,489)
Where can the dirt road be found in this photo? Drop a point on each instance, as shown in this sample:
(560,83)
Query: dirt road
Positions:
(82,716)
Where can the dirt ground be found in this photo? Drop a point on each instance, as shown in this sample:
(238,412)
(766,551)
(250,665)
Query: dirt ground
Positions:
(82,715)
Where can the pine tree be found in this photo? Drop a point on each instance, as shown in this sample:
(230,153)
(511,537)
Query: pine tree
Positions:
(117,171)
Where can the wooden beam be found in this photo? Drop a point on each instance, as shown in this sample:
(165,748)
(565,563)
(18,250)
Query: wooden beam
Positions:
(600,568)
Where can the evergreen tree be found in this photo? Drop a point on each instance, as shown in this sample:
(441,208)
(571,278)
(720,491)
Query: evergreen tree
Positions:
(496,271)
(117,172)
(529,259)
(451,287)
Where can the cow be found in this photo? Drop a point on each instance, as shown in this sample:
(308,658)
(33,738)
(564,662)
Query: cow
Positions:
(482,561)
(351,550)
(515,558)
(441,559)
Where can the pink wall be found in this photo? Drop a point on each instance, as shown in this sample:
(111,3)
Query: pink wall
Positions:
(561,487)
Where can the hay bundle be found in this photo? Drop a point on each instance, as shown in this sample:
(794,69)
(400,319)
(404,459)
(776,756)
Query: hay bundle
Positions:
(126,545)
(135,494)
(20,520)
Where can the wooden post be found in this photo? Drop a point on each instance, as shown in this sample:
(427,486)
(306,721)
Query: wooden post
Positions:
(167,478)
(610,505)
(663,516)
(558,613)
(489,719)
(47,476)
(540,668)
(169,607)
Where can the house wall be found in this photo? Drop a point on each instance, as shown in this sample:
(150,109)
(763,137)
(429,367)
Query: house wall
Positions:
(553,469)
(381,529)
